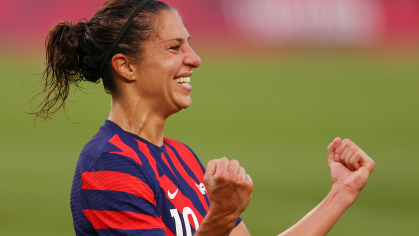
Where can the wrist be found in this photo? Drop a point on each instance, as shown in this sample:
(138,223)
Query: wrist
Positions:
(221,217)
(343,194)
(218,223)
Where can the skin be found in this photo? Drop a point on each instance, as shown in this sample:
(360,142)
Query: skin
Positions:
(350,168)
(147,95)
(146,92)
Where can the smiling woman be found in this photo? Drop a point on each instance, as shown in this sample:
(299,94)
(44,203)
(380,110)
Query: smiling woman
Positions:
(130,179)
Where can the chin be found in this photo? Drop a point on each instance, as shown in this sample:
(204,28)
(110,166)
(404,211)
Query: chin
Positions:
(182,105)
(186,104)
(183,102)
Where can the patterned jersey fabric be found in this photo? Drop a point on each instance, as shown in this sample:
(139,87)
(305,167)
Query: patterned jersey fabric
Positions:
(125,185)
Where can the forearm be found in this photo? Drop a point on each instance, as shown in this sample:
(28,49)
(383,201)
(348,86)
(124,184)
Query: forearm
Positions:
(321,219)
(217,224)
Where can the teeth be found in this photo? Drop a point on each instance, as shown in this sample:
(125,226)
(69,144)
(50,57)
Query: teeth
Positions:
(183,80)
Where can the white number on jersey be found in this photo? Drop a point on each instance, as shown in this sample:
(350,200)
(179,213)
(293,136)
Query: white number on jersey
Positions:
(186,213)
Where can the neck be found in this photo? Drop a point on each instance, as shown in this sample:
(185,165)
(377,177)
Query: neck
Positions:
(136,116)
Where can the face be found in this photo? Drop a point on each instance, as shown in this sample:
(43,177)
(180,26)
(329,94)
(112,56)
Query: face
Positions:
(165,70)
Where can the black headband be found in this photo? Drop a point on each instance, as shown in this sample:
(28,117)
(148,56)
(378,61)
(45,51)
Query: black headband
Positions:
(120,35)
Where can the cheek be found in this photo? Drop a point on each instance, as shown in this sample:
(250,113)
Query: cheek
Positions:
(163,71)
(171,67)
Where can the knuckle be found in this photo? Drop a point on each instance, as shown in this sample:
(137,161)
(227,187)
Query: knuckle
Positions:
(372,163)
(213,162)
(234,161)
(233,177)
(250,186)
(222,175)
(234,164)
(207,179)
(337,158)
(243,185)
(249,179)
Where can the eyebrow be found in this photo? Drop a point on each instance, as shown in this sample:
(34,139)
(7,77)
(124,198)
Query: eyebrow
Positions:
(180,40)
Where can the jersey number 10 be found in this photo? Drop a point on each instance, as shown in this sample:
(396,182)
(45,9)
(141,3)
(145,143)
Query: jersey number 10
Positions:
(186,213)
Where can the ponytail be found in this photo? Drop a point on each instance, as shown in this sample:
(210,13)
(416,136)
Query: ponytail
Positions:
(64,66)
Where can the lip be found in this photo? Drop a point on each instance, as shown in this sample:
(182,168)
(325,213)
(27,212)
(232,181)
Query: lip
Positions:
(186,74)
(187,88)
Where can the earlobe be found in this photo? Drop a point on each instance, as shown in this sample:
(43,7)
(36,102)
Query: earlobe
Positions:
(123,66)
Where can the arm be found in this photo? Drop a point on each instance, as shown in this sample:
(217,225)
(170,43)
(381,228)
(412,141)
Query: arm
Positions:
(322,218)
(350,169)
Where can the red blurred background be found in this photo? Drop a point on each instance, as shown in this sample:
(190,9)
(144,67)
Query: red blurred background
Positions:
(257,22)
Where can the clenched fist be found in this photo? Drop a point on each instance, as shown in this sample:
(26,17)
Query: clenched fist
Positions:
(229,187)
(349,165)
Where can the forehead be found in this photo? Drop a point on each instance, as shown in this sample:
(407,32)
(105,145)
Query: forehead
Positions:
(170,26)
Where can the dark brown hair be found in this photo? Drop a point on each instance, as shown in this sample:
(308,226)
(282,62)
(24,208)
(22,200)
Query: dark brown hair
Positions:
(74,52)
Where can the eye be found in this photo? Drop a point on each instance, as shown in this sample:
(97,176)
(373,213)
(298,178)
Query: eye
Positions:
(177,47)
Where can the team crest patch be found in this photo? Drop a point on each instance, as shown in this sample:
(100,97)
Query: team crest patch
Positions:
(201,188)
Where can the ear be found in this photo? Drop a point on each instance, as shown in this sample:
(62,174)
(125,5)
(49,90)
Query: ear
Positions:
(123,66)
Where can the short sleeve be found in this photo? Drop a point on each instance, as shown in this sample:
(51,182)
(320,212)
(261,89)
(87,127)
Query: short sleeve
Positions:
(238,221)
(118,198)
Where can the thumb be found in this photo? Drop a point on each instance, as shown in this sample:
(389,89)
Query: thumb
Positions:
(332,148)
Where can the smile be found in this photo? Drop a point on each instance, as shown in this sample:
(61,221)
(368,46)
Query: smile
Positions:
(183,80)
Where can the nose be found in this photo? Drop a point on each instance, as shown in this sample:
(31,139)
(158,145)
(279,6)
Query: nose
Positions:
(192,59)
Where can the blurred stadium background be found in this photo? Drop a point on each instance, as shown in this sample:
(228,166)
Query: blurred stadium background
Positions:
(279,80)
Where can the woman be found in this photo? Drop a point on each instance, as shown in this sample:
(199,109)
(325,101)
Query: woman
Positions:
(130,180)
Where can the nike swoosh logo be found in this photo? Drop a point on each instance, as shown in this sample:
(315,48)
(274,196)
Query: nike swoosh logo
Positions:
(172,195)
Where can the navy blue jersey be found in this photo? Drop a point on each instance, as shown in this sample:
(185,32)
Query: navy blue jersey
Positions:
(125,185)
